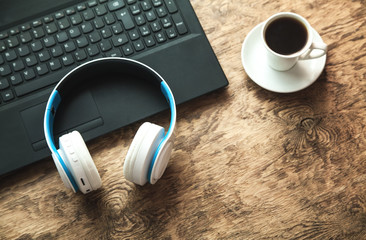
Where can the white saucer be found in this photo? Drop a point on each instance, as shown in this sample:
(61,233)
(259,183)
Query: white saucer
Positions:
(302,75)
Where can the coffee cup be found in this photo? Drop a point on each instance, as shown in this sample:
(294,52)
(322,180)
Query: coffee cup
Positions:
(288,38)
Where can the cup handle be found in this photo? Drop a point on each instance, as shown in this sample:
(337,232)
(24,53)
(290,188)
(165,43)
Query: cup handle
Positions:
(309,54)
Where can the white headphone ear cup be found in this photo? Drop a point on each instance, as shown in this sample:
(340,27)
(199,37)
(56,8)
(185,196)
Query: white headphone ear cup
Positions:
(132,151)
(141,152)
(80,162)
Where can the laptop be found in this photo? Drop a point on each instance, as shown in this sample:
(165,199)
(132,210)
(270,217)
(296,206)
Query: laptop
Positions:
(42,40)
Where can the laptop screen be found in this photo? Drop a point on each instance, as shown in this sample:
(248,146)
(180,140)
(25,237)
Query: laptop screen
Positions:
(13,11)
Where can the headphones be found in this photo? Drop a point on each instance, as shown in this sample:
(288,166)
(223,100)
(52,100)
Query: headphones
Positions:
(150,150)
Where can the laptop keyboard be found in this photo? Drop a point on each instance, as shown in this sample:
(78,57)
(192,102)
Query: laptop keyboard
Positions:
(39,53)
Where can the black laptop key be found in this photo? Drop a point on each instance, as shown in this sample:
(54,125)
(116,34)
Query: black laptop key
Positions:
(157,3)
(92,3)
(51,28)
(135,9)
(138,45)
(106,33)
(105,45)
(155,26)
(31,61)
(56,51)
(5,70)
(161,12)
(14,31)
(69,46)
(38,32)
(63,24)
(170,4)
(36,46)
(86,27)
(82,42)
(126,19)
(59,15)
(47,19)
(146,5)
(80,55)
(54,64)
(150,16)
(15,79)
(127,49)
(44,56)
(100,10)
(18,65)
(166,22)
(49,41)
(70,11)
(145,30)
(88,15)
(178,21)
(92,50)
(120,40)
(109,19)
(115,5)
(3,35)
(134,35)
(7,95)
(4,83)
(74,32)
(160,37)
(10,55)
(114,53)
(62,37)
(29,74)
(23,50)
(149,41)
(171,33)
(117,28)
(67,60)
(81,7)
(98,23)
(94,37)
(140,20)
(35,23)
(42,69)
(76,19)
(25,37)
(12,42)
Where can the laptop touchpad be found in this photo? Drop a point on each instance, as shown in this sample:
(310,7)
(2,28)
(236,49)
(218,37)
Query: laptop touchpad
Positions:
(78,111)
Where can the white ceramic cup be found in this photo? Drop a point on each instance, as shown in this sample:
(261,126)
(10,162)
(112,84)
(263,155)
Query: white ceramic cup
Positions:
(310,50)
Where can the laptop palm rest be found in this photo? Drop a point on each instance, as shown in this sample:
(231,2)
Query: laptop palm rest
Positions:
(78,112)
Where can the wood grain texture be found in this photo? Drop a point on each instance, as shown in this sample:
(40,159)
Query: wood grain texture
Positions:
(247,164)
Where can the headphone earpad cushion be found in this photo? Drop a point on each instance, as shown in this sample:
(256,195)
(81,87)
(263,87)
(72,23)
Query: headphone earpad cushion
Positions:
(141,152)
(75,150)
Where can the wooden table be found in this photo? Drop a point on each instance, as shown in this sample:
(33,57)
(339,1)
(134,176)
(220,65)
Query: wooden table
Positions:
(247,164)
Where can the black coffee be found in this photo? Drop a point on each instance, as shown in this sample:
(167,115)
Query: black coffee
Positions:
(286,35)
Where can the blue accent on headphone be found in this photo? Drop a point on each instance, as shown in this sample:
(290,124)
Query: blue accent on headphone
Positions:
(170,99)
(54,102)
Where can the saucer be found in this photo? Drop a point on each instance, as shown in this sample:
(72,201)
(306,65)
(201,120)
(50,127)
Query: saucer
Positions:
(302,75)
